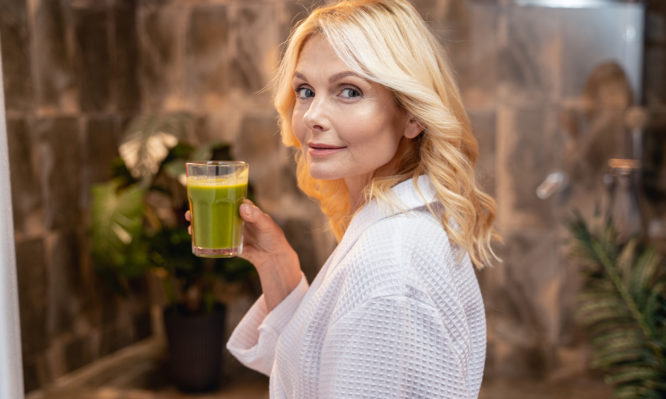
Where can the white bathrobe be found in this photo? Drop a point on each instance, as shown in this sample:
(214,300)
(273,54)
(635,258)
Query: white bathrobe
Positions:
(394,313)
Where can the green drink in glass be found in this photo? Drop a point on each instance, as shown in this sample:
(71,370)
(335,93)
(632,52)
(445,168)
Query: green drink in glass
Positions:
(215,190)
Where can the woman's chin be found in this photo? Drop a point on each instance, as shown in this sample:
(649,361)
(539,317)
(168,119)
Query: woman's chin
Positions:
(324,176)
(323,173)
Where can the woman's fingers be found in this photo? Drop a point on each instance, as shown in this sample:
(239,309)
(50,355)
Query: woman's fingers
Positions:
(188,217)
(266,247)
(255,216)
(262,237)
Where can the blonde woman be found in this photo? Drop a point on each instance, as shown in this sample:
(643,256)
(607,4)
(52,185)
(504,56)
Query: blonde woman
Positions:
(365,93)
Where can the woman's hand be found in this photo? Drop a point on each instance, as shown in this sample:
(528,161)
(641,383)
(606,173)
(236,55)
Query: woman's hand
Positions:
(265,245)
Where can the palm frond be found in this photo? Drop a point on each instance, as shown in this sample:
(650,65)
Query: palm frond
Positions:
(623,306)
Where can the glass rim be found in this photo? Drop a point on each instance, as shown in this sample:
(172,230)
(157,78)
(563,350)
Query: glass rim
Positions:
(216,163)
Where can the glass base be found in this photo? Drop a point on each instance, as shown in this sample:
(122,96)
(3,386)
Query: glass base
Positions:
(217,252)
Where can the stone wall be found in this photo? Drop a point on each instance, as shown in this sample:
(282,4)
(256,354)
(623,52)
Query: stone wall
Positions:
(654,156)
(75,73)
(520,68)
(70,86)
(655,54)
(77,70)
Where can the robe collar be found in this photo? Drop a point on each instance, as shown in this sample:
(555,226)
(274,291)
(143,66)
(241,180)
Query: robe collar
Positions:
(404,197)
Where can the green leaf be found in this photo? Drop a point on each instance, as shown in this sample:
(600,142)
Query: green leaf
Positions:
(205,152)
(234,269)
(148,141)
(618,338)
(633,391)
(629,374)
(623,305)
(595,313)
(608,360)
(645,275)
(116,227)
(652,303)
(607,326)
(175,169)
(625,260)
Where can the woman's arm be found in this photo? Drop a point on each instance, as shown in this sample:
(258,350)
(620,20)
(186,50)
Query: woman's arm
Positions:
(254,338)
(266,247)
(264,244)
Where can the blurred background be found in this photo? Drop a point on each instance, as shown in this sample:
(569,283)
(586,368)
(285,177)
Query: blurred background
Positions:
(554,89)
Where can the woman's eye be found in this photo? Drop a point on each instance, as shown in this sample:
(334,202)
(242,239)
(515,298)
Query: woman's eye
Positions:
(304,92)
(350,92)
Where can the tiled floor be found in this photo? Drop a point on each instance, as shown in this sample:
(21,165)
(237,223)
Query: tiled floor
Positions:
(525,389)
(136,373)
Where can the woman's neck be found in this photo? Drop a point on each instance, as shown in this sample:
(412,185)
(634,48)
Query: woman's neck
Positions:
(355,187)
(357,184)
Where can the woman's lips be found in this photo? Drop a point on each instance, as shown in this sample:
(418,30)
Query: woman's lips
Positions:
(321,150)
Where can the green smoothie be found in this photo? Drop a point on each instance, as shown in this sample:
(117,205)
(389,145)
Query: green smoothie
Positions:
(216,223)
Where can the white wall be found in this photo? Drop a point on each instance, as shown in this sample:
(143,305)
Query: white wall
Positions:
(11,372)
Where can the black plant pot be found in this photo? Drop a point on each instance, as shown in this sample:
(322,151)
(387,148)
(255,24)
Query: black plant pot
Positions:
(195,348)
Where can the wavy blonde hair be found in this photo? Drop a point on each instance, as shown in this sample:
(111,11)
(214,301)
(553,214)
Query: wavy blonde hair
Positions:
(387,41)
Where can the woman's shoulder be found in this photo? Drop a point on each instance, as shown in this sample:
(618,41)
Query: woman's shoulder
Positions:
(409,233)
(400,250)
(408,257)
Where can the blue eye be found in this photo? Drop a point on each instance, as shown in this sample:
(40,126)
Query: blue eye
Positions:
(350,92)
(304,92)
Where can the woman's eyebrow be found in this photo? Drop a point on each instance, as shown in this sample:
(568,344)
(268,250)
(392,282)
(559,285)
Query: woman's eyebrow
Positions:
(333,78)
(344,74)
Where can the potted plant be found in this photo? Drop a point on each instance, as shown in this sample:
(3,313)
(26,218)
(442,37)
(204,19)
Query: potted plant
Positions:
(622,304)
(138,228)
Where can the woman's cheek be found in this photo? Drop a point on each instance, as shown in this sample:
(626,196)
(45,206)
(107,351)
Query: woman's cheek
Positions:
(298,127)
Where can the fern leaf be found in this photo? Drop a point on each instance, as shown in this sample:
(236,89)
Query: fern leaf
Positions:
(617,358)
(626,259)
(653,305)
(629,374)
(627,342)
(623,305)
(615,335)
(645,275)
(632,391)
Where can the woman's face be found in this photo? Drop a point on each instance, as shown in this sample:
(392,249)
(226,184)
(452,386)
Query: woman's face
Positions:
(348,127)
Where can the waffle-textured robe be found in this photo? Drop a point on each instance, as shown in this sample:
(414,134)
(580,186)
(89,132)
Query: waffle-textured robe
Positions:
(394,313)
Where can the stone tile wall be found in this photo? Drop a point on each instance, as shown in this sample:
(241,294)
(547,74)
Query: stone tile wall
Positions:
(654,140)
(75,73)
(520,67)
(655,54)
(71,84)
(77,70)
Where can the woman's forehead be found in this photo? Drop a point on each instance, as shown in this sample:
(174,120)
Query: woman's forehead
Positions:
(317,55)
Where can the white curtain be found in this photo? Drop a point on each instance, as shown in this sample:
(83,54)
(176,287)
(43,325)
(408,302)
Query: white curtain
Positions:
(11,372)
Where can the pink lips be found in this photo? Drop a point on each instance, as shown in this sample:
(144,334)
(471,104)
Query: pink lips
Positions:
(320,150)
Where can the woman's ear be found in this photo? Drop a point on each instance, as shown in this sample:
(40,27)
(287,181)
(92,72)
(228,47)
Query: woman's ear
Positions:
(413,128)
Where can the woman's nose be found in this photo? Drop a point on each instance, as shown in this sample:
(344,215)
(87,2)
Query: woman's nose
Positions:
(316,116)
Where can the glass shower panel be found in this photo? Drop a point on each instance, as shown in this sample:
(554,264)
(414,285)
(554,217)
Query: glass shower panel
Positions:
(591,36)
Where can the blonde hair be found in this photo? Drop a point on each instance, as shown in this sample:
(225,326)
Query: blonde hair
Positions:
(387,41)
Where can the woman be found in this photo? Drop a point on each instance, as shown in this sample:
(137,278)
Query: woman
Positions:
(366,95)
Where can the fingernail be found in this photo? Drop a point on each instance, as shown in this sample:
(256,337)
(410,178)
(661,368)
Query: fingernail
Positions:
(246,209)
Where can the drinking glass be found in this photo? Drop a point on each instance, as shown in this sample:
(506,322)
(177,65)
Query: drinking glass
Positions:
(215,190)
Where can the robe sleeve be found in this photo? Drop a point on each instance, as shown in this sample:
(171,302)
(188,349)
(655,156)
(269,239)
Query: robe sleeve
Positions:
(254,338)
